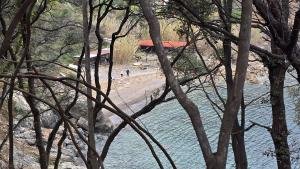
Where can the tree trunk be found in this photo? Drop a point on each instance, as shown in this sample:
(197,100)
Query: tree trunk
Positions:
(279,130)
(189,106)
(91,156)
(238,142)
(277,72)
(235,96)
(238,146)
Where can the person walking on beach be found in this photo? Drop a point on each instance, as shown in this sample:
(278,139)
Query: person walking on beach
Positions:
(127,72)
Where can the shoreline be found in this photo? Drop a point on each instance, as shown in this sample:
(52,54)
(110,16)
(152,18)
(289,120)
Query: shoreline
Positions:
(130,93)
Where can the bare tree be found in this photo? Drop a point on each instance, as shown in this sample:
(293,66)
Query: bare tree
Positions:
(219,159)
(91,157)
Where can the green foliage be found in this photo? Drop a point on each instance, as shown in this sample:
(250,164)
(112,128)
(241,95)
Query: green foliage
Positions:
(57,35)
(237,12)
(189,63)
(202,8)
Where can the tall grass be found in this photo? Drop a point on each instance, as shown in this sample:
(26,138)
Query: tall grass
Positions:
(125,49)
(109,26)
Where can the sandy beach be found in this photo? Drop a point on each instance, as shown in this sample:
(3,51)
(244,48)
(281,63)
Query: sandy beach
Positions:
(130,92)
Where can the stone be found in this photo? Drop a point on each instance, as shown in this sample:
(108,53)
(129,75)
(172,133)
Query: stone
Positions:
(33,166)
(83,123)
(27,123)
(69,165)
(80,108)
(24,159)
(21,105)
(30,142)
(49,119)
(103,124)
(3,164)
(29,134)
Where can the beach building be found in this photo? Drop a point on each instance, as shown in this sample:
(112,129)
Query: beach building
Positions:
(105,53)
(148,46)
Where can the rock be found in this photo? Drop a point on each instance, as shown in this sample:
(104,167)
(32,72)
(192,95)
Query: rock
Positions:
(3,164)
(29,134)
(30,142)
(82,132)
(27,123)
(69,165)
(73,120)
(68,141)
(24,159)
(78,162)
(83,123)
(103,124)
(68,152)
(60,130)
(79,111)
(49,119)
(80,108)
(19,130)
(66,158)
(33,166)
(21,105)
(103,127)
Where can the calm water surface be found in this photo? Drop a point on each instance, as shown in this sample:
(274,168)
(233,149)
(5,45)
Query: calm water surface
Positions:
(169,124)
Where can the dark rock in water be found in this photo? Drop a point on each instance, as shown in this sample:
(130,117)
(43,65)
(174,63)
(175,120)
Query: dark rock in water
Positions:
(103,124)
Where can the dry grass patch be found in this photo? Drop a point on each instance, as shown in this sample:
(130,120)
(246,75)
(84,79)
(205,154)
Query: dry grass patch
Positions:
(125,49)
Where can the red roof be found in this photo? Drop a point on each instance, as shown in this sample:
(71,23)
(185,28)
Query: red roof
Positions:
(166,44)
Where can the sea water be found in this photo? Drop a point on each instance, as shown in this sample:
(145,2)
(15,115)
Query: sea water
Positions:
(171,126)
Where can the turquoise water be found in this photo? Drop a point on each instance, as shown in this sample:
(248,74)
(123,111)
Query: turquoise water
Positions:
(169,124)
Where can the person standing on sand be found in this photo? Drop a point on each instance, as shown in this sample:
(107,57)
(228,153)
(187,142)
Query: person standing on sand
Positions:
(127,72)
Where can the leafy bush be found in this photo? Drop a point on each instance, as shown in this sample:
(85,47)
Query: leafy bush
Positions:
(189,63)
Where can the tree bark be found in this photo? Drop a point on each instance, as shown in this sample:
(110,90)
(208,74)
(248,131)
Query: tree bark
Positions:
(279,130)
(277,70)
(235,96)
(190,107)
(91,157)
(238,141)
(238,146)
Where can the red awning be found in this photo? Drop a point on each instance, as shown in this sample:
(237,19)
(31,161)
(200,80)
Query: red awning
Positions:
(166,44)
